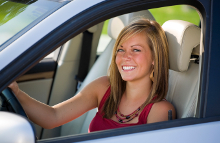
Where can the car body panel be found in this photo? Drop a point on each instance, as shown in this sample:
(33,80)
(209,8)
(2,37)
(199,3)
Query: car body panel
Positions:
(190,134)
(15,128)
(171,127)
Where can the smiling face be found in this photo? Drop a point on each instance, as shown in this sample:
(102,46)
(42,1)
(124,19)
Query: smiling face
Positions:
(134,58)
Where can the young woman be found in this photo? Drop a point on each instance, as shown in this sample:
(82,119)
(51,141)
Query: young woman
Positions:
(133,93)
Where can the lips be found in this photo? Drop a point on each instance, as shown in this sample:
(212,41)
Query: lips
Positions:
(128,68)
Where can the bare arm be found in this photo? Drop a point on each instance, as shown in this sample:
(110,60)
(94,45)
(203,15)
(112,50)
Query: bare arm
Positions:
(50,117)
(159,112)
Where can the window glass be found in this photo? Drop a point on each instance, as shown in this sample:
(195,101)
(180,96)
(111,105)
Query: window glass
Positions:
(17,15)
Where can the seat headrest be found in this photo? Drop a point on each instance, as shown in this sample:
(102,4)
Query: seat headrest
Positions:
(116,24)
(182,38)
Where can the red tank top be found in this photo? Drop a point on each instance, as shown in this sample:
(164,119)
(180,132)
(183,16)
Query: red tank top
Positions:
(99,123)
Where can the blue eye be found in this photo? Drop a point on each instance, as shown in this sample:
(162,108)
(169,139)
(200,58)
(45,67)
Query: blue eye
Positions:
(136,50)
(120,50)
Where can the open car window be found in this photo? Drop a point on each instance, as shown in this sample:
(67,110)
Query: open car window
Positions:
(178,12)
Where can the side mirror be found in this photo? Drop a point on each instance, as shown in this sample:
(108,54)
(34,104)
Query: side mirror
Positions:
(15,128)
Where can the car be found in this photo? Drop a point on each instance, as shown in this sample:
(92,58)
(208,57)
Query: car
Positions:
(50,48)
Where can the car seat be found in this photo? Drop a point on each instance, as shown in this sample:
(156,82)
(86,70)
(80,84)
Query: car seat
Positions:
(183,40)
(100,68)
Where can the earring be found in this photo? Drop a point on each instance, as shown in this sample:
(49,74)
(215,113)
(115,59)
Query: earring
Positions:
(152,75)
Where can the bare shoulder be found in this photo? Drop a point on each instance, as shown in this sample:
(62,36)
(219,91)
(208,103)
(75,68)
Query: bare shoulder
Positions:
(163,106)
(98,84)
(104,80)
(98,87)
(159,112)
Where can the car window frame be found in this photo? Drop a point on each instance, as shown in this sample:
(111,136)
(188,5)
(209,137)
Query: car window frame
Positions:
(109,9)
(210,96)
(131,130)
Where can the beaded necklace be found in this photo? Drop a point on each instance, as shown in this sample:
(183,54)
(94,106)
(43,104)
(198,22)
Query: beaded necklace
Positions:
(126,118)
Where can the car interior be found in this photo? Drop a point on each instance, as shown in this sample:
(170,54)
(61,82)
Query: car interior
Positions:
(58,84)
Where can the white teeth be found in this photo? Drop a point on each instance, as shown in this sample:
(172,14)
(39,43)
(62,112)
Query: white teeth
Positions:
(128,67)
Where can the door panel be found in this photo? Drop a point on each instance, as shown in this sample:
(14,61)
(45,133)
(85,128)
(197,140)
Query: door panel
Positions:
(38,80)
(39,90)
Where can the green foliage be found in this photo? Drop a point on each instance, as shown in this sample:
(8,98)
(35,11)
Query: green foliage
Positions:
(9,10)
(105,27)
(178,12)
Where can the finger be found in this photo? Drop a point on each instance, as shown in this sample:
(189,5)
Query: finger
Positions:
(12,84)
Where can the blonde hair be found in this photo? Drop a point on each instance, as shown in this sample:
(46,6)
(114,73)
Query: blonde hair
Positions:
(159,49)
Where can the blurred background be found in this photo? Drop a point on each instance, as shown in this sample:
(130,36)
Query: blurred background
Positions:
(177,12)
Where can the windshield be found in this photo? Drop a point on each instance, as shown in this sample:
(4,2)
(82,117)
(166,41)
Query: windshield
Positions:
(17,16)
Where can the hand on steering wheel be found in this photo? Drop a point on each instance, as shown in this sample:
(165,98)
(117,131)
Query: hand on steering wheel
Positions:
(13,102)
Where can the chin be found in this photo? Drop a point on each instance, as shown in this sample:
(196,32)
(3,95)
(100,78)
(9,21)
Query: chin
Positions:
(127,78)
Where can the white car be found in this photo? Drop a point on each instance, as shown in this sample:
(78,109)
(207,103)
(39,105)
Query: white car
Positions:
(50,48)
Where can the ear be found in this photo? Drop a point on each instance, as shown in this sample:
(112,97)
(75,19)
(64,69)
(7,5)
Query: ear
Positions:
(152,62)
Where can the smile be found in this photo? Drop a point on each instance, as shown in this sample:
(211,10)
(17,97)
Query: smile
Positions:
(128,67)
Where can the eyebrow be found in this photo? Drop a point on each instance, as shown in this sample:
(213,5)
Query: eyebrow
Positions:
(136,45)
(133,45)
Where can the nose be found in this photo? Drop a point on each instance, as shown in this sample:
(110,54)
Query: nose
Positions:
(127,55)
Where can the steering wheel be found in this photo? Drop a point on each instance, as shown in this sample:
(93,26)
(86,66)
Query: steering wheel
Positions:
(11,103)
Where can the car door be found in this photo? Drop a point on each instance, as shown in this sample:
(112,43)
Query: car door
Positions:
(108,9)
(176,128)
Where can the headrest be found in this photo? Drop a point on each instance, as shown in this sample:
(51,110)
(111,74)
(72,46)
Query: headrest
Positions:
(182,38)
(93,29)
(116,24)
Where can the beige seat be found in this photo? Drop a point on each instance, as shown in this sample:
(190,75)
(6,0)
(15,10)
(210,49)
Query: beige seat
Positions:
(183,39)
(67,64)
(100,68)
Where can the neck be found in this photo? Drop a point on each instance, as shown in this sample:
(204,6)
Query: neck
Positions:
(138,89)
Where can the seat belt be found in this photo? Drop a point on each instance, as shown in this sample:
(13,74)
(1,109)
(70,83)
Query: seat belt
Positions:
(84,58)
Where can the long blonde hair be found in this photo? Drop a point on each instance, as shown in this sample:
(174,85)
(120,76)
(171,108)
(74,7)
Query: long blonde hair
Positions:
(159,49)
